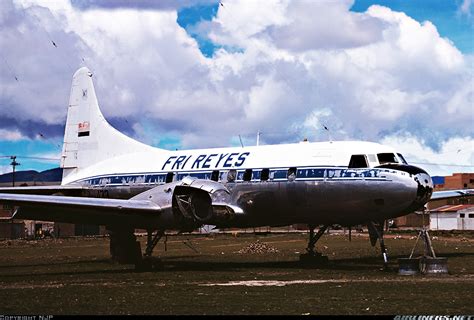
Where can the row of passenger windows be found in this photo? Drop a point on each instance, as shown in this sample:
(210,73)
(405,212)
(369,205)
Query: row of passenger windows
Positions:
(247,175)
(233,175)
(227,175)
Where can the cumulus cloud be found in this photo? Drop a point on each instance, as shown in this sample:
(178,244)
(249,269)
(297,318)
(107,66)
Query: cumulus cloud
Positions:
(466,7)
(138,4)
(11,135)
(284,68)
(5,169)
(455,154)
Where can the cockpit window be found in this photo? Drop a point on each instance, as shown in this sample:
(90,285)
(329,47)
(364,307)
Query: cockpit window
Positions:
(402,158)
(372,158)
(387,158)
(358,161)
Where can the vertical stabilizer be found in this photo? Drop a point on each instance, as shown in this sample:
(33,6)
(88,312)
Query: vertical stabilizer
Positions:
(88,137)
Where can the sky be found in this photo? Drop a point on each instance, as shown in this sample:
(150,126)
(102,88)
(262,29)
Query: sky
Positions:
(199,73)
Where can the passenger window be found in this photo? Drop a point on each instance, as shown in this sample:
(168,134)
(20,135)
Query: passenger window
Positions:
(215,175)
(280,174)
(386,158)
(271,175)
(231,175)
(169,177)
(247,175)
(291,174)
(358,161)
(265,174)
(256,175)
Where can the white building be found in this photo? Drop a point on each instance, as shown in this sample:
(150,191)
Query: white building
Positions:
(452,217)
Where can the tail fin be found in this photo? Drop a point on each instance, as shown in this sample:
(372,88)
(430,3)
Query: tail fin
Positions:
(88,137)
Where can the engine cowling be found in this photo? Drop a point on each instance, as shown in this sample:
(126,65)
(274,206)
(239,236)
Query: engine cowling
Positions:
(192,202)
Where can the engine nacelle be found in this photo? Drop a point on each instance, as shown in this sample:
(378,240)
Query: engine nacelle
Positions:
(204,201)
(192,202)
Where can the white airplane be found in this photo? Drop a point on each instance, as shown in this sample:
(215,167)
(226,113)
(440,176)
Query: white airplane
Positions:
(110,179)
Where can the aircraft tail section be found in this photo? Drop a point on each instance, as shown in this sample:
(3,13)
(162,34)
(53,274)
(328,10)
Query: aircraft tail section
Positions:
(88,137)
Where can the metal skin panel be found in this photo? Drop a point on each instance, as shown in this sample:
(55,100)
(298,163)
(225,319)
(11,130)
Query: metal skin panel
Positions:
(327,202)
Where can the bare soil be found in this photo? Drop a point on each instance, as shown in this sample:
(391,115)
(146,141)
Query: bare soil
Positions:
(206,275)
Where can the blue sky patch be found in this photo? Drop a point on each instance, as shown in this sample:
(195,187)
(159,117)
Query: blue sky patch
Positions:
(189,17)
(444,14)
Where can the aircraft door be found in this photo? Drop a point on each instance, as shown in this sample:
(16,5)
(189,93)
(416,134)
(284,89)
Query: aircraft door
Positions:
(169,177)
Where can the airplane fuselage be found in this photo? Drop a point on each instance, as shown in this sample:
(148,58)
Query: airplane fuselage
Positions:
(341,182)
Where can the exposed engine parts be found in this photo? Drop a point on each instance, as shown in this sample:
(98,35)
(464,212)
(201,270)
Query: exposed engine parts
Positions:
(191,203)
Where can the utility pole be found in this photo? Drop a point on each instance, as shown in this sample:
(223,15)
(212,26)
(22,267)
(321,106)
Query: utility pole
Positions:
(13,164)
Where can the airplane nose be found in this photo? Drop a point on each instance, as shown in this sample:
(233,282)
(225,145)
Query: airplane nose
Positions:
(422,179)
(425,187)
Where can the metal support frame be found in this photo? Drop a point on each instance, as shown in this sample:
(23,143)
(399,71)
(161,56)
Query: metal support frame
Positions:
(313,238)
(152,241)
(429,251)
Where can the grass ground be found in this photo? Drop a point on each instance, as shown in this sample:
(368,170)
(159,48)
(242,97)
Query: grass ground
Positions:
(76,276)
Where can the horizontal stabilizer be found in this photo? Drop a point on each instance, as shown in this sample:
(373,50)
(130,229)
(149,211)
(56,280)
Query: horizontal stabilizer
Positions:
(448,194)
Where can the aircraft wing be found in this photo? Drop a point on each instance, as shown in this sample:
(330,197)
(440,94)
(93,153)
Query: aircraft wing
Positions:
(447,194)
(137,213)
(195,201)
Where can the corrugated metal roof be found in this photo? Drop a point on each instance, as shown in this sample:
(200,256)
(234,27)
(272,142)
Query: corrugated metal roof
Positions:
(452,208)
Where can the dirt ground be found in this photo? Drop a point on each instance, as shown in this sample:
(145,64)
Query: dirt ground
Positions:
(234,274)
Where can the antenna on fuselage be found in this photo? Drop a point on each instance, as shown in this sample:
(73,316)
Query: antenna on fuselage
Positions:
(329,133)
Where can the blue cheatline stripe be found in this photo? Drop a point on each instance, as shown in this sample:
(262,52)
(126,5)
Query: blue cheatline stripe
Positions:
(276,174)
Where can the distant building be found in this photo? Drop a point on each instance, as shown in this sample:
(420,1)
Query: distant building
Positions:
(459,181)
(455,181)
(10,229)
(452,217)
(415,219)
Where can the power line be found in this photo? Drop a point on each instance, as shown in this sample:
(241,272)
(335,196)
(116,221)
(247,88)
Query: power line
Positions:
(28,157)
(444,164)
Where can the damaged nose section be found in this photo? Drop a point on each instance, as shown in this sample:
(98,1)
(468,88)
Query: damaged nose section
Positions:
(425,188)
(421,177)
